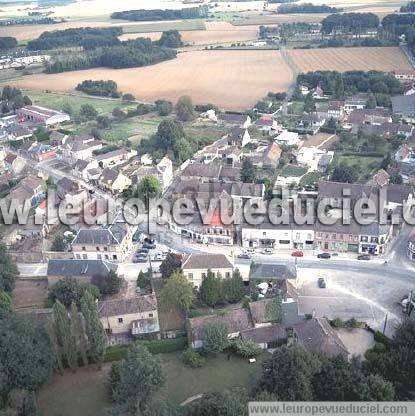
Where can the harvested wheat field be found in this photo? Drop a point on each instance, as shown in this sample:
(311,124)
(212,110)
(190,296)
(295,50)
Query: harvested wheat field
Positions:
(230,79)
(350,59)
(216,32)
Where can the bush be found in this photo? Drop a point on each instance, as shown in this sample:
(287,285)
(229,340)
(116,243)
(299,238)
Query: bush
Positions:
(381,338)
(246,349)
(192,358)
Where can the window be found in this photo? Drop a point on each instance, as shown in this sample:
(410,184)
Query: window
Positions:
(97,248)
(120,320)
(78,256)
(106,257)
(83,248)
(190,276)
(105,248)
(150,315)
(84,256)
(99,257)
(227,275)
(114,257)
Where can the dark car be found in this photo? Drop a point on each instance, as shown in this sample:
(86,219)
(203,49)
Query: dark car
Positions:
(140,258)
(143,250)
(363,257)
(150,246)
(321,283)
(245,256)
(324,256)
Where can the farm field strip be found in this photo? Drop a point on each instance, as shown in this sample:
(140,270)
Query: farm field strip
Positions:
(230,79)
(350,59)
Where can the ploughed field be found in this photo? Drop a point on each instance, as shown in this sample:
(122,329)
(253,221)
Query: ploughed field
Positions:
(216,32)
(350,59)
(230,79)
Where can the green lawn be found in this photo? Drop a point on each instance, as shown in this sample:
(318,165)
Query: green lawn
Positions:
(58,100)
(292,171)
(192,24)
(365,166)
(84,392)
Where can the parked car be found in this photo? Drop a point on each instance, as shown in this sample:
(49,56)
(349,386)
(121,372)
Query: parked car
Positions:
(321,283)
(150,246)
(297,253)
(245,256)
(363,257)
(140,258)
(159,257)
(267,251)
(142,250)
(250,251)
(324,255)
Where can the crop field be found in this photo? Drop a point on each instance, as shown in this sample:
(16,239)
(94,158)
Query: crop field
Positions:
(216,32)
(145,27)
(230,79)
(350,59)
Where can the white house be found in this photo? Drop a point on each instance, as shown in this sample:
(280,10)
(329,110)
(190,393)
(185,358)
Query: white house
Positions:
(288,138)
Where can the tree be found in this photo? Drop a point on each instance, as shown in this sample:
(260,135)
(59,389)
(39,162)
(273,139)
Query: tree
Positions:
(182,150)
(343,173)
(109,284)
(169,132)
(338,87)
(309,104)
(273,311)
(88,112)
(248,171)
(93,326)
(396,178)
(67,108)
(177,291)
(5,302)
(144,280)
(77,330)
(171,39)
(128,97)
(8,270)
(371,101)
(103,122)
(26,356)
(164,107)
(375,388)
(185,109)
(149,187)
(64,335)
(227,403)
(169,265)
(233,287)
(58,243)
(215,337)
(289,373)
(211,289)
(7,42)
(70,290)
(136,379)
(118,114)
(246,349)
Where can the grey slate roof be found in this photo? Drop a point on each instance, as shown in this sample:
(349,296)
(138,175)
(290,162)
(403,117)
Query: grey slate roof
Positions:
(112,235)
(116,307)
(70,267)
(404,105)
(272,271)
(206,261)
(265,334)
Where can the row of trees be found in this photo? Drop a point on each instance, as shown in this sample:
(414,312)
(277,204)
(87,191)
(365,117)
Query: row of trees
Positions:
(12,99)
(86,37)
(129,54)
(408,8)
(99,88)
(162,14)
(307,8)
(350,83)
(353,23)
(7,43)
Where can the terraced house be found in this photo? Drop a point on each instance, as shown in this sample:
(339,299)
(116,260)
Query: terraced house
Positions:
(111,243)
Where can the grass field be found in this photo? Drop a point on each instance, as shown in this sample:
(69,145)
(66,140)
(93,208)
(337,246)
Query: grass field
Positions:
(350,59)
(57,101)
(230,79)
(364,166)
(181,25)
(84,392)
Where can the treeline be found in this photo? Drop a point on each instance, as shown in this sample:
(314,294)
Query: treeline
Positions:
(307,8)
(158,14)
(354,23)
(130,54)
(401,24)
(352,82)
(409,8)
(99,88)
(171,39)
(87,38)
(11,99)
(7,42)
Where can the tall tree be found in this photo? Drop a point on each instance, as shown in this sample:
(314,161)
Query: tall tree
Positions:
(65,335)
(149,187)
(5,302)
(78,333)
(8,270)
(338,87)
(185,109)
(169,265)
(26,355)
(58,243)
(289,373)
(177,291)
(233,287)
(169,132)
(211,289)
(137,378)
(93,327)
(215,337)
(248,171)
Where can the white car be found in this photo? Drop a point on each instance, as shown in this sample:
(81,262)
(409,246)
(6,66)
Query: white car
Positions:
(267,251)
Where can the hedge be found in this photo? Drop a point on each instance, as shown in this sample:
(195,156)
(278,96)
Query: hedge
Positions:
(119,352)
